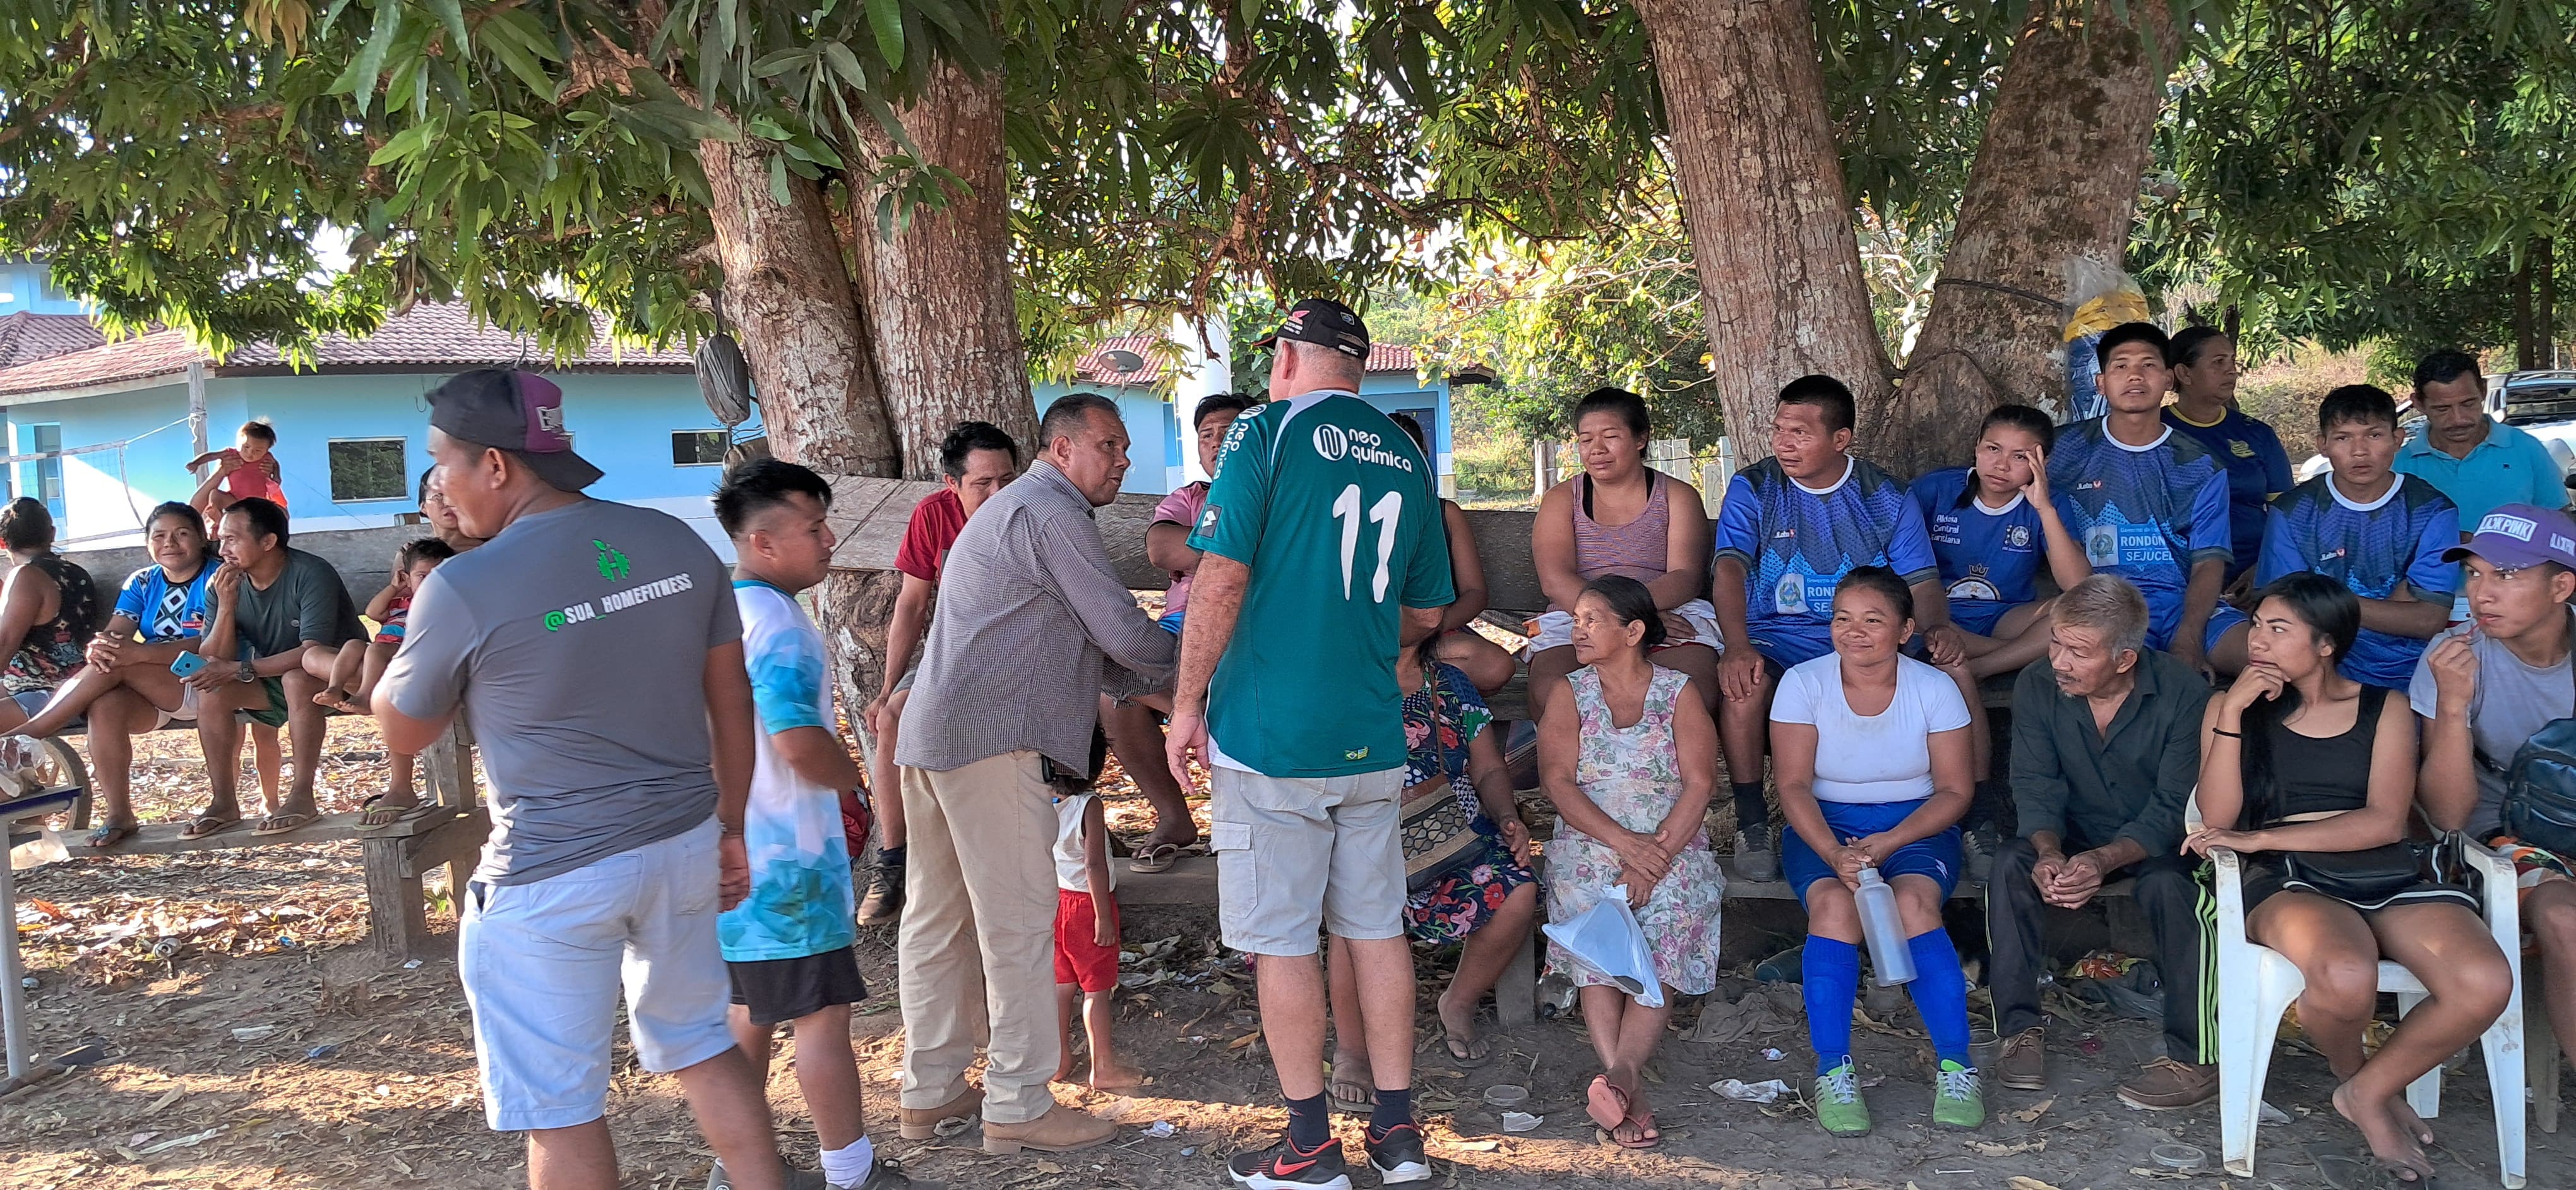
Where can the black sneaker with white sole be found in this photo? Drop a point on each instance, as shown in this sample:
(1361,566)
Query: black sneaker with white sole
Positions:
(1282,1167)
(1397,1155)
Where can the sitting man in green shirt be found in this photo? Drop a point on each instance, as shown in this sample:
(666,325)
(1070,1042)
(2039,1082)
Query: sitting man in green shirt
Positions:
(275,620)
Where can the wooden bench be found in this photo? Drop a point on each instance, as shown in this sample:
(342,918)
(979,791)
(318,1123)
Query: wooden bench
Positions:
(869,517)
(395,859)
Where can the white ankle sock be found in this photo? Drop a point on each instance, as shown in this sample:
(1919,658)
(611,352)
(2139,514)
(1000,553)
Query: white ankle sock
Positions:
(849,1165)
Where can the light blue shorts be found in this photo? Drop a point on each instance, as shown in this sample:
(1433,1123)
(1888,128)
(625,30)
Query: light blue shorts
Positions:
(543,964)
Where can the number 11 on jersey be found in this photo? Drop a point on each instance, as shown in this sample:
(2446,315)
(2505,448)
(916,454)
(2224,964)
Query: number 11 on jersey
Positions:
(1384,514)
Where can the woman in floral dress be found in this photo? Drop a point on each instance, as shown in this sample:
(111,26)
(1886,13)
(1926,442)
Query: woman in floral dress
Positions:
(1487,906)
(1629,763)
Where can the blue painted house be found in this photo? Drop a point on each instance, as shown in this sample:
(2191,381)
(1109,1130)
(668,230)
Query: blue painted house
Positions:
(1163,453)
(352,425)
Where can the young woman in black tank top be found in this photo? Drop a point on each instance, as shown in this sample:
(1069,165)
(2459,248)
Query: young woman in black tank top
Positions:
(2316,764)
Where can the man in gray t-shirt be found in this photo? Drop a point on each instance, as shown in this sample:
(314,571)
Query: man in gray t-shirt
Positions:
(2484,688)
(275,617)
(596,652)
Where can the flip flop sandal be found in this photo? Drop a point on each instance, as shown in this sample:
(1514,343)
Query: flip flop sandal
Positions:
(110,834)
(401,814)
(1480,1050)
(278,824)
(1647,1135)
(1605,1103)
(1345,1105)
(207,824)
(1158,858)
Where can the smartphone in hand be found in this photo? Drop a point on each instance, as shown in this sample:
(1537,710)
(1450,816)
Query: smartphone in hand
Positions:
(186,665)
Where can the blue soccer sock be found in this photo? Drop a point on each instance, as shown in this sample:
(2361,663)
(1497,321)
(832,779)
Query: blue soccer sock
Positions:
(1832,984)
(1940,991)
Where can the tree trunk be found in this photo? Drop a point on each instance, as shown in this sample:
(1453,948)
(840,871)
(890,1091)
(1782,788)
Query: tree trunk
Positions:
(939,293)
(2056,176)
(1762,191)
(789,300)
(2544,315)
(2524,333)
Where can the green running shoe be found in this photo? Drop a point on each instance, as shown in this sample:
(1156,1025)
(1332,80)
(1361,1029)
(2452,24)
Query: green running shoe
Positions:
(1957,1099)
(1839,1106)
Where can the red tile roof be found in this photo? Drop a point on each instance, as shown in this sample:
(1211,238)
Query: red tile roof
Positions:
(428,337)
(1094,366)
(27,336)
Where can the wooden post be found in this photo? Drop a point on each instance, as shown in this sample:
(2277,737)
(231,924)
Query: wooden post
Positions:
(1542,469)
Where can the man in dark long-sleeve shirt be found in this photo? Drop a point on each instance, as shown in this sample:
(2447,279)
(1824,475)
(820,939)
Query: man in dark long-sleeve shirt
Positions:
(2106,749)
(1029,610)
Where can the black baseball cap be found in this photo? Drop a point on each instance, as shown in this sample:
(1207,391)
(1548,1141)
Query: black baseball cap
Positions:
(520,412)
(1322,321)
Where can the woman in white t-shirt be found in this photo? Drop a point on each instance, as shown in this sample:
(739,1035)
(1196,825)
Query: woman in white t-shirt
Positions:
(1871,752)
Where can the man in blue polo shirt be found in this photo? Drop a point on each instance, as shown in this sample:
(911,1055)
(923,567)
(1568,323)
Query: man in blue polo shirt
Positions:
(2474,459)
(1792,526)
(2379,532)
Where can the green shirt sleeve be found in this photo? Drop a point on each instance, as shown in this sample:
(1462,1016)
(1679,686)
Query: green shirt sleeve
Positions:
(1238,499)
(2038,781)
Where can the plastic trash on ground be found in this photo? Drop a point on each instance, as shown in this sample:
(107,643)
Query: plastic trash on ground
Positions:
(1520,1121)
(1607,939)
(1765,1091)
(46,848)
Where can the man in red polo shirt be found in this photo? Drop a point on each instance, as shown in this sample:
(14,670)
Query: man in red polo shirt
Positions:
(975,460)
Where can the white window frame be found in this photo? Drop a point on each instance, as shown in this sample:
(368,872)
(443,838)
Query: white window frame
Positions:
(332,481)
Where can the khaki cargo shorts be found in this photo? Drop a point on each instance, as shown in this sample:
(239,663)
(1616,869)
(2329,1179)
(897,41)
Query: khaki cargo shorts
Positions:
(1296,855)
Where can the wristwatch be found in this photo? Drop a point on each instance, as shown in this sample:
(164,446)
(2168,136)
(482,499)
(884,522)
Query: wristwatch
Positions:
(246,673)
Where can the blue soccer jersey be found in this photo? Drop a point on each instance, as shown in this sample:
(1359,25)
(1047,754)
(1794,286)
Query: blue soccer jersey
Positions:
(2257,470)
(2145,513)
(2370,548)
(1796,543)
(1990,557)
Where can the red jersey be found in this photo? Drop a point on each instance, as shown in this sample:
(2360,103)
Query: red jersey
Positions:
(936,522)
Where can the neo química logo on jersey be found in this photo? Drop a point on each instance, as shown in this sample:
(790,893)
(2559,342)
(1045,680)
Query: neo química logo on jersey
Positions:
(1336,443)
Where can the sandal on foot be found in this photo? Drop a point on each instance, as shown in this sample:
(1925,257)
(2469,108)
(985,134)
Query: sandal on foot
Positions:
(207,824)
(375,815)
(1347,1105)
(1606,1103)
(1640,1133)
(1479,1050)
(1158,857)
(284,821)
(110,834)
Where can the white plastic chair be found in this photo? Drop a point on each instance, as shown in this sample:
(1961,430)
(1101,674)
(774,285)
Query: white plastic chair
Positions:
(2258,984)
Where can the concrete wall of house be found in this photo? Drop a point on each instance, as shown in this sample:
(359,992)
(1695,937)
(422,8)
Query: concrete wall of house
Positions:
(26,286)
(623,422)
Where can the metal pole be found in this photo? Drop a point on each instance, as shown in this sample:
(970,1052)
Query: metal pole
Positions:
(13,1005)
(197,410)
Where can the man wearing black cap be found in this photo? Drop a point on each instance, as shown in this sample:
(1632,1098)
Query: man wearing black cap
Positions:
(1322,532)
(596,652)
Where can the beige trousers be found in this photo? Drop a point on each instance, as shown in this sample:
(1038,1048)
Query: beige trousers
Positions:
(978,940)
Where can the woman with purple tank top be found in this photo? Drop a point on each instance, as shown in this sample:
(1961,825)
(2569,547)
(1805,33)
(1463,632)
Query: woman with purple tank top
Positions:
(1622,517)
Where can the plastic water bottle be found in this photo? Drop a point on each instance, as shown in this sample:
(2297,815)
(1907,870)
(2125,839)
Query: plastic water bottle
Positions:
(1891,961)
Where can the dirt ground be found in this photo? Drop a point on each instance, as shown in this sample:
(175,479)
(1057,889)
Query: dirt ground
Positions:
(252,1041)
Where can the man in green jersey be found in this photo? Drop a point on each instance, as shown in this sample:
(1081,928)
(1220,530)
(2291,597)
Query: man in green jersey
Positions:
(1322,536)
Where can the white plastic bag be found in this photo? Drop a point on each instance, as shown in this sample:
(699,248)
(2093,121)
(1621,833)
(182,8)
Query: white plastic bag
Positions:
(1607,939)
(45,848)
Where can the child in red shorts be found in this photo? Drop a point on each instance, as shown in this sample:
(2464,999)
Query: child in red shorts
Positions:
(1086,937)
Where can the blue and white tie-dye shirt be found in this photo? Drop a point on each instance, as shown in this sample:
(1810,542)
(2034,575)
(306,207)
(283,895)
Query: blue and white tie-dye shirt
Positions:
(801,900)
(1796,543)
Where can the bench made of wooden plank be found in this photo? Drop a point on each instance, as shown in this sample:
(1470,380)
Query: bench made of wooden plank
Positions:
(448,833)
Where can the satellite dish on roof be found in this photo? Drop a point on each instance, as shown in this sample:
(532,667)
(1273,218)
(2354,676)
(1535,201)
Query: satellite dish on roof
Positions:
(1123,361)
